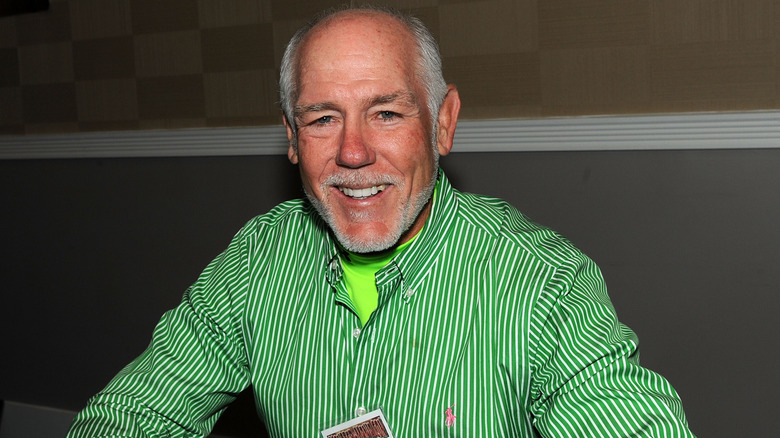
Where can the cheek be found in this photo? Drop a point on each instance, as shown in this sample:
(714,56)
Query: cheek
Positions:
(312,168)
(418,160)
(309,176)
(411,150)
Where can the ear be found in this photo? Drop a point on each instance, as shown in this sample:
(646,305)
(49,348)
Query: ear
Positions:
(447,120)
(292,151)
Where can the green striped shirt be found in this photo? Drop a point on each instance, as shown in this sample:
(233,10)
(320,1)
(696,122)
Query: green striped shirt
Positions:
(487,317)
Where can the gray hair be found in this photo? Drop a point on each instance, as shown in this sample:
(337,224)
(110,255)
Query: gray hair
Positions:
(427,65)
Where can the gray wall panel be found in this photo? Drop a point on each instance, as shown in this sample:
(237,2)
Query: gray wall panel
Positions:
(94,251)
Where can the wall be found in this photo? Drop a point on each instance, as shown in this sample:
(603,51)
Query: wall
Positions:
(94,251)
(144,64)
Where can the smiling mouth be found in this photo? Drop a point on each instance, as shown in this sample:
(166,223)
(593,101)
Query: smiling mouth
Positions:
(362,193)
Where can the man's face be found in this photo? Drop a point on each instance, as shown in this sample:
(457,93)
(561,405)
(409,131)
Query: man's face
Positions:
(364,148)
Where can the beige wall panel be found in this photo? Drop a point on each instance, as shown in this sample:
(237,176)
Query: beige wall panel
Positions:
(244,121)
(237,94)
(51,128)
(107,100)
(224,13)
(450,2)
(111,125)
(430,17)
(715,74)
(487,27)
(173,123)
(9,67)
(100,18)
(597,80)
(593,23)
(171,97)
(301,9)
(11,111)
(49,103)
(283,30)
(238,48)
(46,63)
(12,129)
(777,72)
(105,58)
(678,22)
(496,81)
(150,16)
(50,27)
(167,54)
(499,112)
(8,32)
(408,5)
(510,58)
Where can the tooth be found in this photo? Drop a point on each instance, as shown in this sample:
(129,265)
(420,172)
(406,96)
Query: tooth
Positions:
(364,192)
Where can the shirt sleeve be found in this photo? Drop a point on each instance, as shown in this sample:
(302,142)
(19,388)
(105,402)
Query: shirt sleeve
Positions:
(193,368)
(586,375)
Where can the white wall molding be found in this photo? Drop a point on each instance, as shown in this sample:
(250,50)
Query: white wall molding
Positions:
(737,130)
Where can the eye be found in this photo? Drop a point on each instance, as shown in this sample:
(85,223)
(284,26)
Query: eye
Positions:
(324,120)
(387,115)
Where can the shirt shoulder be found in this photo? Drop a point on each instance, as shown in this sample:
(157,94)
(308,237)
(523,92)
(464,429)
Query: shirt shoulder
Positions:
(289,222)
(284,212)
(287,213)
(514,231)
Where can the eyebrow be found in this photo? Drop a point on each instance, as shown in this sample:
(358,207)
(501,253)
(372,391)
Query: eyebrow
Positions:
(300,110)
(403,97)
(406,98)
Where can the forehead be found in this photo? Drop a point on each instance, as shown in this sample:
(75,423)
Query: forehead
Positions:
(357,43)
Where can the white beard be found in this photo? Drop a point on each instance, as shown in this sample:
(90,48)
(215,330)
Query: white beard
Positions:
(406,214)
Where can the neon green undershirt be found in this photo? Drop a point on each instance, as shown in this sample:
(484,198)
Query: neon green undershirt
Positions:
(360,276)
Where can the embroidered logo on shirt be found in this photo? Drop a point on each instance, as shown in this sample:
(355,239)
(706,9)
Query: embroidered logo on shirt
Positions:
(449,421)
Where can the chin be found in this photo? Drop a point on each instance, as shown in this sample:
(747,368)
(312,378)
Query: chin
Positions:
(361,245)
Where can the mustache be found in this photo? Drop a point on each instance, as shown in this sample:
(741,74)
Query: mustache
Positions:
(359,178)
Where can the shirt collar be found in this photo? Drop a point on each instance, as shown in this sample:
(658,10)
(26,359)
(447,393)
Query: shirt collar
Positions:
(414,263)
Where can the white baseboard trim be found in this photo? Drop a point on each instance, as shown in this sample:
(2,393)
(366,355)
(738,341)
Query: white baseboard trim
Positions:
(723,130)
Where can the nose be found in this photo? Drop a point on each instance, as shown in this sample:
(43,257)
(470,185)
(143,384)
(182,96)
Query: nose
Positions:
(355,150)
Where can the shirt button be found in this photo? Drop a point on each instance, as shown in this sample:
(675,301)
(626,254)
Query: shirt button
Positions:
(409,293)
(360,411)
(356,334)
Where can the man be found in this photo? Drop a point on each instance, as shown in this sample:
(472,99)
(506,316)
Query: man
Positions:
(389,299)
